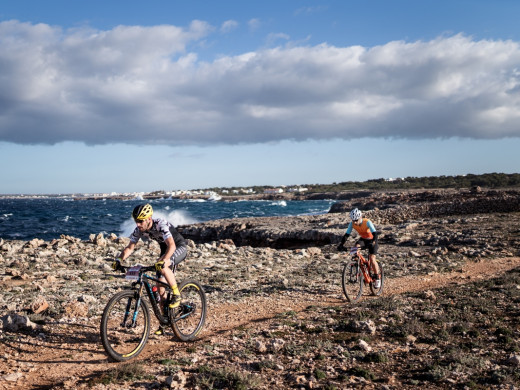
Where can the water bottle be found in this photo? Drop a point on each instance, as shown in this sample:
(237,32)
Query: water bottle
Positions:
(156,294)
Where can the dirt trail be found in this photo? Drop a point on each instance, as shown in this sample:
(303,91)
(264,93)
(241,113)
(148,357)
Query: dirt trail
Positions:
(73,352)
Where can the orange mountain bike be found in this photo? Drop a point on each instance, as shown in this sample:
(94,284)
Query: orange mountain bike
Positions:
(357,273)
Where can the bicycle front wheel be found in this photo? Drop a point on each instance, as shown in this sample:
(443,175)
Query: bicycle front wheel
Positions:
(378,291)
(352,281)
(125,326)
(188,319)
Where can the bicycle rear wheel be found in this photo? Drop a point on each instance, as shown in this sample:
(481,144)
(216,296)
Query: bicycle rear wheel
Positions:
(122,337)
(378,291)
(188,319)
(352,281)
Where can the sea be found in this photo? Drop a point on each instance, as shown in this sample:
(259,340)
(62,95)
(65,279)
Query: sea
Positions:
(48,218)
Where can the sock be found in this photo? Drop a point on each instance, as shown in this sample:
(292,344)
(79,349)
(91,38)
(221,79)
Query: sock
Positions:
(175,289)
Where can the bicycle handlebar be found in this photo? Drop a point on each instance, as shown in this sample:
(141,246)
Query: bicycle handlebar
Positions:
(124,268)
(143,268)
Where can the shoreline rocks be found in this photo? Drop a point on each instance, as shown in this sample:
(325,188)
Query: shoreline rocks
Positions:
(281,247)
(320,230)
(53,294)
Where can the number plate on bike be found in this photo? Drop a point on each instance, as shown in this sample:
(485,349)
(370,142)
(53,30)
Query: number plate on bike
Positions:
(133,272)
(353,251)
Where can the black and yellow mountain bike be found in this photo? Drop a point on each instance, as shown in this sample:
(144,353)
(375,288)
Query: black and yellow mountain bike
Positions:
(125,323)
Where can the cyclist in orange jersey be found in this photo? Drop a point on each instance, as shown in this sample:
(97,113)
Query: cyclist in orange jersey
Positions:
(368,237)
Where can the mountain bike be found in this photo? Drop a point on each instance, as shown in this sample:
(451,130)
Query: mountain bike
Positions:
(356,274)
(125,323)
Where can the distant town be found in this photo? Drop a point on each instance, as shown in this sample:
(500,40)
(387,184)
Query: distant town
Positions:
(487,180)
(213,194)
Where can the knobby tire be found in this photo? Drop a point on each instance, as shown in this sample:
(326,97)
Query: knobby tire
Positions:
(188,319)
(352,281)
(378,291)
(121,340)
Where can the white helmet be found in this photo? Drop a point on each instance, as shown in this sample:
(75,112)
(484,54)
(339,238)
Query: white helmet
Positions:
(355,214)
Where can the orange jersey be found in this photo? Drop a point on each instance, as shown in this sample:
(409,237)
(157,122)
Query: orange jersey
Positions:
(365,230)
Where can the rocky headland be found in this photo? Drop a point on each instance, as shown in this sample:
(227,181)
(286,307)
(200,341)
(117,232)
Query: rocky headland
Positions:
(394,213)
(448,317)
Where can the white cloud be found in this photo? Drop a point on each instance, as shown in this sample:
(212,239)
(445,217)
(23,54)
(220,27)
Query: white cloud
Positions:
(310,10)
(275,37)
(254,24)
(228,26)
(139,85)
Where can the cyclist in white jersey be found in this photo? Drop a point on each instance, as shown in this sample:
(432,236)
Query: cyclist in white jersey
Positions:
(172,244)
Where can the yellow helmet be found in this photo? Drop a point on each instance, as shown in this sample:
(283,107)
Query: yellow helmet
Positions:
(142,212)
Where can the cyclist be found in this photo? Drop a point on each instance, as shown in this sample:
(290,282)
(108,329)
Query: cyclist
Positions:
(368,234)
(172,244)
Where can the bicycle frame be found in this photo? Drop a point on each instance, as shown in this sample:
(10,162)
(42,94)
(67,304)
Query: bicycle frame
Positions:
(364,264)
(143,280)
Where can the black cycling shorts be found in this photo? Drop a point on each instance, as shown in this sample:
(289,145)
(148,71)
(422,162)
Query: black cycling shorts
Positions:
(371,245)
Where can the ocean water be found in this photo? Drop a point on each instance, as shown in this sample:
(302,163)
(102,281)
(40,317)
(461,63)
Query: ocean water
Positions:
(49,218)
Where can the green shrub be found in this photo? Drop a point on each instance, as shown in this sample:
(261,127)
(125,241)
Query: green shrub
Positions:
(224,378)
(122,373)
(319,374)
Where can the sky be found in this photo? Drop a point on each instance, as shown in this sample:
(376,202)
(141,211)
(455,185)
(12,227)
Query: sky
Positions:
(134,96)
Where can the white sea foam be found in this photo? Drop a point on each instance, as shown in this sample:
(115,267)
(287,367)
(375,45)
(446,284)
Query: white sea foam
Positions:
(127,227)
(281,203)
(177,217)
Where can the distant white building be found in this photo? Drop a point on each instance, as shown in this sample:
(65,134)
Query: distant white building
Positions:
(297,189)
(273,191)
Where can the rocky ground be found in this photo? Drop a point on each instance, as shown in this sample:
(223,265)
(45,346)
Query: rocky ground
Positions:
(448,317)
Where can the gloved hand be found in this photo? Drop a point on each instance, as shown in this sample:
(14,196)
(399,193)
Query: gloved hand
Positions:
(159,266)
(116,265)
(343,240)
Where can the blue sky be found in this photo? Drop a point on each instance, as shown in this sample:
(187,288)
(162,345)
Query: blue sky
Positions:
(133,96)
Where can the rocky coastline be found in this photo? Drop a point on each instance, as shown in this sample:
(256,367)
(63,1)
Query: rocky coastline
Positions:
(294,328)
(387,210)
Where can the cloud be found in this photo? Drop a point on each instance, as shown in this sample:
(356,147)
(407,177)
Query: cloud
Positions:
(140,85)
(254,24)
(272,38)
(228,26)
(310,10)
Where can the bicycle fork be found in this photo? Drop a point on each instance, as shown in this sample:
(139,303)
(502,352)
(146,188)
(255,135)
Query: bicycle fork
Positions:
(355,270)
(133,323)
